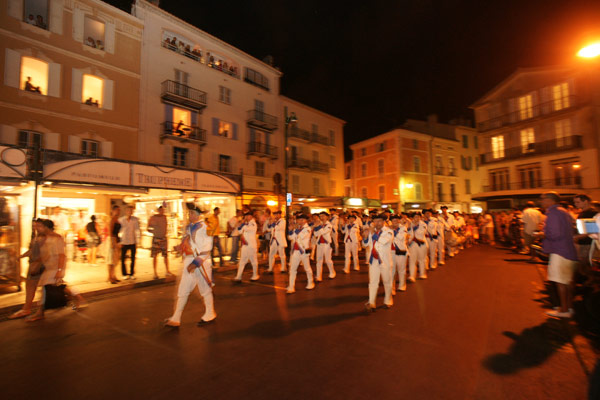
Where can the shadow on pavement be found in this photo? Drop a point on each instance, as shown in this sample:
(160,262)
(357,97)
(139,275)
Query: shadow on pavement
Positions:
(329,301)
(532,347)
(549,297)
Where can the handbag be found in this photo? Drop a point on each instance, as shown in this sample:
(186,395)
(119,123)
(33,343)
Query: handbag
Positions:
(55,296)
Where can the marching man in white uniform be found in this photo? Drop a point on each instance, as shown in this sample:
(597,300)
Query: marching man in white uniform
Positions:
(350,243)
(432,238)
(441,228)
(418,247)
(300,253)
(249,248)
(322,235)
(449,226)
(379,240)
(278,241)
(335,226)
(399,251)
(196,248)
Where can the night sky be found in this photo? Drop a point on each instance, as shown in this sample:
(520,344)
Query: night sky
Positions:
(375,63)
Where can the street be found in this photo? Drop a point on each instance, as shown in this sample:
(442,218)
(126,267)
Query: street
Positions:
(476,329)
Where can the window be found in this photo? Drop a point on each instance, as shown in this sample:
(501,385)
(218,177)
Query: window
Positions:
(224,95)
(475,142)
(530,176)
(348,172)
(89,148)
(259,106)
(34,75)
(332,161)
(92,90)
(363,170)
(347,191)
(35,12)
(498,146)
(416,164)
(415,143)
(179,156)
(256,78)
(259,168)
(224,163)
(452,192)
(364,192)
(465,141)
(381,167)
(440,191)
(381,192)
(181,77)
(499,179)
(567,173)
(314,128)
(316,186)
(525,107)
(331,138)
(451,167)
(181,119)
(315,156)
(380,146)
(562,131)
(467,186)
(295,183)
(439,168)
(527,140)
(363,151)
(224,129)
(93,33)
(418,191)
(560,96)
(30,139)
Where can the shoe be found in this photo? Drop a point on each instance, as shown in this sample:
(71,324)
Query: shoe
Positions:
(402,289)
(319,280)
(346,271)
(558,309)
(387,306)
(204,323)
(423,277)
(310,286)
(254,279)
(126,277)
(237,281)
(411,280)
(132,277)
(369,307)
(332,276)
(35,317)
(269,272)
(171,324)
(393,292)
(284,271)
(20,314)
(559,314)
(432,268)
(290,290)
(441,263)
(357,268)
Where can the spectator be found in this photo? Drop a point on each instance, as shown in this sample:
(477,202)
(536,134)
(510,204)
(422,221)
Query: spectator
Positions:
(214,230)
(31,20)
(130,233)
(90,42)
(583,243)
(114,245)
(30,87)
(99,45)
(40,22)
(233,232)
(488,224)
(532,220)
(157,225)
(558,243)
(93,239)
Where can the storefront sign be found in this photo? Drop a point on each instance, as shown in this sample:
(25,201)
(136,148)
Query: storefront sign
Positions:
(12,162)
(88,171)
(215,183)
(162,177)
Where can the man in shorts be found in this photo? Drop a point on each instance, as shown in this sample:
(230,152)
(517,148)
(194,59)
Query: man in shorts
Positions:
(157,225)
(558,243)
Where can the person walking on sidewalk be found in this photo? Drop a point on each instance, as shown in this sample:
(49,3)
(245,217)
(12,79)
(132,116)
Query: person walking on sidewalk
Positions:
(114,244)
(214,229)
(130,235)
(196,248)
(558,243)
(249,248)
(157,226)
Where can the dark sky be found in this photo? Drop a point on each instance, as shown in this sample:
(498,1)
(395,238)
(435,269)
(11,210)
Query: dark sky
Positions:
(375,63)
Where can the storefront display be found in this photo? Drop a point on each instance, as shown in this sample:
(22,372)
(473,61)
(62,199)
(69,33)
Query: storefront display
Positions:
(10,265)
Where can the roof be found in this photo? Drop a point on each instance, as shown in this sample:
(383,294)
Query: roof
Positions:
(435,129)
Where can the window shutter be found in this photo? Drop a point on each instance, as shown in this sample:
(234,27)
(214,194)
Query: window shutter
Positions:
(51,141)
(78,19)
(512,109)
(215,162)
(168,154)
(56,16)
(76,83)
(546,100)
(54,79)
(74,144)
(109,37)
(107,96)
(233,161)
(8,134)
(194,118)
(193,157)
(106,149)
(15,9)
(12,68)
(252,136)
(535,103)
(168,112)
(235,131)
(215,126)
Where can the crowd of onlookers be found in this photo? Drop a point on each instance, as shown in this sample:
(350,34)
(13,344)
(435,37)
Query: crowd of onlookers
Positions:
(197,55)
(37,21)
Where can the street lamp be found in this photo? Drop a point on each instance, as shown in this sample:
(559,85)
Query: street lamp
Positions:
(288,119)
(590,51)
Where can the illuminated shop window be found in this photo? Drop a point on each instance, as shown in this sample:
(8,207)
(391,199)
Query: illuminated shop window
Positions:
(34,75)
(92,90)
(35,12)
(93,33)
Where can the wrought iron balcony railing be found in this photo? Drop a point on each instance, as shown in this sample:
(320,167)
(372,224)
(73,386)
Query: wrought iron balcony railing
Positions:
(533,149)
(182,132)
(311,137)
(262,149)
(572,182)
(178,93)
(262,120)
(316,166)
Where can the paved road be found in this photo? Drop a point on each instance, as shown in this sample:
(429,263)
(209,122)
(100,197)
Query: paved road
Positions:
(474,330)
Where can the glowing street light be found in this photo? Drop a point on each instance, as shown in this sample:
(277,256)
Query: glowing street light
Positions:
(590,51)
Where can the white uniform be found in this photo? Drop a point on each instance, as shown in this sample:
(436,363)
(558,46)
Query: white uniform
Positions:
(335,229)
(201,244)
(449,235)
(365,233)
(418,250)
(441,251)
(350,246)
(249,248)
(380,264)
(322,235)
(300,253)
(432,241)
(278,243)
(399,256)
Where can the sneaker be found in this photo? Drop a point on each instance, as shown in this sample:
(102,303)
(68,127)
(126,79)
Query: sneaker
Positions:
(441,263)
(290,290)
(319,280)
(237,281)
(357,268)
(310,286)
(559,314)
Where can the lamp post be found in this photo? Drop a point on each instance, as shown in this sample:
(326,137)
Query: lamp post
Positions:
(288,119)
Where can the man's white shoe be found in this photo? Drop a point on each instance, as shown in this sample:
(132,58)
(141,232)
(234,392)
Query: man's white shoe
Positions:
(310,286)
(559,314)
(331,276)
(290,290)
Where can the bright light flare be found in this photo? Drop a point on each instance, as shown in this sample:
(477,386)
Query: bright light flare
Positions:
(591,51)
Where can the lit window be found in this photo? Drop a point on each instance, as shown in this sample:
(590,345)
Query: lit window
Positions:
(224,95)
(89,148)
(93,33)
(498,146)
(527,140)
(224,129)
(35,12)
(179,156)
(93,88)
(562,131)
(560,96)
(34,75)
(525,107)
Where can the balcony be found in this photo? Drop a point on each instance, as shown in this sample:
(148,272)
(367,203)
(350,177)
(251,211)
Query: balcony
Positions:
(262,150)
(567,103)
(573,182)
(261,120)
(310,137)
(303,163)
(180,94)
(197,56)
(535,149)
(182,133)
(444,171)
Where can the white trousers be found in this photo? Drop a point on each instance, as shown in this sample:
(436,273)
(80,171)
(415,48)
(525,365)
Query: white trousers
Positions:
(399,267)
(273,250)
(441,251)
(368,253)
(336,242)
(324,254)
(379,271)
(417,254)
(190,281)
(433,248)
(295,259)
(248,256)
(351,251)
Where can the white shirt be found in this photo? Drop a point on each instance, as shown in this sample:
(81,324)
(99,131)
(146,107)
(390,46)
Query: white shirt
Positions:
(233,225)
(531,220)
(322,233)
(248,232)
(130,230)
(277,229)
(300,239)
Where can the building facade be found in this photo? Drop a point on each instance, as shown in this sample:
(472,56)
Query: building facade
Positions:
(539,131)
